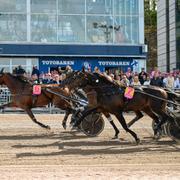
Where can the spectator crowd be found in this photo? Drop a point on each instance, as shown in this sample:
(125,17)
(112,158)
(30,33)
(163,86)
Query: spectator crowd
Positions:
(129,78)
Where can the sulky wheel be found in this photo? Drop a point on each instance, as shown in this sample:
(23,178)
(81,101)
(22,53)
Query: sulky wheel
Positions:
(93,124)
(173,131)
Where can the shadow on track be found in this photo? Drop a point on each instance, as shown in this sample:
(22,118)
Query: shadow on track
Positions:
(93,147)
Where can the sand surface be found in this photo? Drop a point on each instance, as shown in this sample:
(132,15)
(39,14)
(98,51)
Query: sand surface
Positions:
(30,152)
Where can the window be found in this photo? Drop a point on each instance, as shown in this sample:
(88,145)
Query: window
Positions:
(99,7)
(13,27)
(54,21)
(13,6)
(71,28)
(71,6)
(126,7)
(44,28)
(11,63)
(43,6)
(128,31)
(99,29)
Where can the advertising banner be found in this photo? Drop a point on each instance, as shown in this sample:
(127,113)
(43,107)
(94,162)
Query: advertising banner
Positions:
(88,63)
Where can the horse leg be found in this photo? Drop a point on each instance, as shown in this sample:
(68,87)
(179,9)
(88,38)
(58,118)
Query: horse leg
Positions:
(31,115)
(10,104)
(108,116)
(65,118)
(160,108)
(139,115)
(122,121)
(151,114)
(164,117)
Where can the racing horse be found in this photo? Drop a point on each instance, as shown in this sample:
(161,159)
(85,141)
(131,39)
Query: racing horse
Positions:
(22,96)
(110,98)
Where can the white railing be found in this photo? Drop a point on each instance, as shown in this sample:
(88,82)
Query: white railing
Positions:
(5,95)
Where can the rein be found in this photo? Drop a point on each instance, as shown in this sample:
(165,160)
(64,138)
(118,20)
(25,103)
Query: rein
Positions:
(168,101)
(67,98)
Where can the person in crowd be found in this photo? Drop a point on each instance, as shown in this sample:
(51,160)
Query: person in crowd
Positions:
(35,79)
(20,71)
(68,70)
(57,75)
(112,76)
(155,71)
(28,75)
(170,81)
(117,78)
(129,74)
(165,79)
(142,76)
(125,80)
(96,70)
(62,77)
(156,80)
(15,70)
(147,81)
(135,81)
(35,70)
(46,79)
(176,82)
(57,79)
(60,71)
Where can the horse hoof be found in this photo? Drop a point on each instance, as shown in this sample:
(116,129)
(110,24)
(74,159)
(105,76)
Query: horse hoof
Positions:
(138,141)
(156,137)
(64,126)
(73,127)
(115,137)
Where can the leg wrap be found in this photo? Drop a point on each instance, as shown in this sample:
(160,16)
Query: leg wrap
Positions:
(110,119)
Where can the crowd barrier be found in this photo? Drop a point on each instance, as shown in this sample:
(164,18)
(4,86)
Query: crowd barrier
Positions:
(5,95)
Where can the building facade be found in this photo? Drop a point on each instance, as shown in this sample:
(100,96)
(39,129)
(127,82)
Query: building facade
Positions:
(49,33)
(168,18)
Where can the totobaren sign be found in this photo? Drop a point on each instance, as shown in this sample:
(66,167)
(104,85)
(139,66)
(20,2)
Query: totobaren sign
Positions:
(77,63)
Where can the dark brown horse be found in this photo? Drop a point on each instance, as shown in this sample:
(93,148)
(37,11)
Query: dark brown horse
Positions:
(22,97)
(110,98)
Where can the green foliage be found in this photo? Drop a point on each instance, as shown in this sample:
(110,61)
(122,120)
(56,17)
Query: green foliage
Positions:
(150,14)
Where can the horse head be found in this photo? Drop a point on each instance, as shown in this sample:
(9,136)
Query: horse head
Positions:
(97,79)
(76,79)
(91,78)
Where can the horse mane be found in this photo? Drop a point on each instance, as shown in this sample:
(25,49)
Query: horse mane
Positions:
(106,80)
(19,78)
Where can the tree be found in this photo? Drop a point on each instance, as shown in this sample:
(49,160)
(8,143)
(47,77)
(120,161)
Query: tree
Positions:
(150,14)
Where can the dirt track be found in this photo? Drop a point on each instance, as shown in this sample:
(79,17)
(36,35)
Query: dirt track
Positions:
(29,152)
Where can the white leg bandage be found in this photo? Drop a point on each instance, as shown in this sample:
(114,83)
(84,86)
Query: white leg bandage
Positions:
(110,119)
(81,108)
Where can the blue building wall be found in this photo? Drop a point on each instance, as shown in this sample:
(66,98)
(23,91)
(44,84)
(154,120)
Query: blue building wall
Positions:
(77,56)
(71,50)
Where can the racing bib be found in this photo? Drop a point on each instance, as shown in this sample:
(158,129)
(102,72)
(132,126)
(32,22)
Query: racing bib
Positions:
(36,90)
(129,92)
